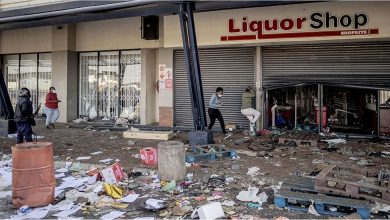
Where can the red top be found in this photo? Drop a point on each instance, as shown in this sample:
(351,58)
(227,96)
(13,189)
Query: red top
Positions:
(51,100)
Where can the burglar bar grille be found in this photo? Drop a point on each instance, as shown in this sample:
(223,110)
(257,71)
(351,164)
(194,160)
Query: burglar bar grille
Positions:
(110,84)
(230,68)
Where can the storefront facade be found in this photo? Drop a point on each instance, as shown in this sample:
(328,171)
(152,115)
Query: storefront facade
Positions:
(105,68)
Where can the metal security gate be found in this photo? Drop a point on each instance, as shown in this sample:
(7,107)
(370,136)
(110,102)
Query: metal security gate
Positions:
(349,64)
(232,69)
(110,84)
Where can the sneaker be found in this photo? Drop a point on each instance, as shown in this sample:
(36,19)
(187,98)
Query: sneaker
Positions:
(47,126)
(52,125)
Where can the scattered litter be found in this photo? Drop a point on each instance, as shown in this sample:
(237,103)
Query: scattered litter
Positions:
(113,190)
(106,160)
(247,152)
(5,194)
(210,211)
(228,203)
(113,174)
(333,142)
(249,196)
(96,153)
(169,187)
(317,161)
(112,215)
(67,213)
(83,158)
(80,120)
(312,210)
(114,137)
(59,175)
(148,155)
(130,143)
(253,171)
(155,204)
(36,213)
(129,198)
(62,170)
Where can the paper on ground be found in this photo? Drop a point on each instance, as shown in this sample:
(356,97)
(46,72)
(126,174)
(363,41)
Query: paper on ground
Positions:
(129,198)
(105,160)
(71,182)
(112,215)
(59,175)
(4,194)
(66,213)
(5,180)
(84,158)
(96,153)
(57,192)
(155,203)
(62,170)
(37,213)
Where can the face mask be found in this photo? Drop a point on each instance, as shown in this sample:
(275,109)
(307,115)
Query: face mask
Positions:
(219,95)
(54,91)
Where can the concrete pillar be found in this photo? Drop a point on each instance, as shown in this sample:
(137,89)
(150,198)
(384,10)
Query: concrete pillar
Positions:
(171,160)
(165,96)
(259,88)
(148,89)
(64,70)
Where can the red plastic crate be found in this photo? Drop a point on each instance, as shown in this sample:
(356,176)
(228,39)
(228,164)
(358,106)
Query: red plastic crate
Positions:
(149,155)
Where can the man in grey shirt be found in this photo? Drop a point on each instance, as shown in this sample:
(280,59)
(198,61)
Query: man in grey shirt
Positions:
(214,113)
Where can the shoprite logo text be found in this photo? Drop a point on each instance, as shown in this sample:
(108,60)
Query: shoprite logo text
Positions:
(320,23)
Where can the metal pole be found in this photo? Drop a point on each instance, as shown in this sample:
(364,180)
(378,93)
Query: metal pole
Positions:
(320,107)
(295,108)
(184,33)
(378,110)
(266,106)
(195,66)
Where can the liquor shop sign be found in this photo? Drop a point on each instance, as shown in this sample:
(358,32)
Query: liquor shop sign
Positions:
(319,25)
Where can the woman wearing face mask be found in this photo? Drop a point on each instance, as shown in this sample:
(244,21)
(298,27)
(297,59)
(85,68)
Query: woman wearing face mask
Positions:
(51,108)
(214,113)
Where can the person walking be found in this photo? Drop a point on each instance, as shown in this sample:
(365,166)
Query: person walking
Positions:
(51,108)
(246,107)
(214,113)
(24,116)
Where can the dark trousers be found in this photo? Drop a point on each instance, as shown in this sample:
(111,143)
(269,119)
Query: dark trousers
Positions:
(216,114)
(24,131)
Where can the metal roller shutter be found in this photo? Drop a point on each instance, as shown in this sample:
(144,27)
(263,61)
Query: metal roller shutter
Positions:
(352,64)
(231,68)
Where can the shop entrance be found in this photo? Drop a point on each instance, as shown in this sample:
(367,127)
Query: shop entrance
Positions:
(345,110)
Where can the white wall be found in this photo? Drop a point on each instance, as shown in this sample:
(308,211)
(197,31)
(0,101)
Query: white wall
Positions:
(26,40)
(112,34)
(210,26)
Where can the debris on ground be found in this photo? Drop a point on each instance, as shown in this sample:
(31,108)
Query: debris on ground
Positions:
(226,187)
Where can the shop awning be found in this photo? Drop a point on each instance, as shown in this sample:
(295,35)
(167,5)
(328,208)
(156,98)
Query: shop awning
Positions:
(83,11)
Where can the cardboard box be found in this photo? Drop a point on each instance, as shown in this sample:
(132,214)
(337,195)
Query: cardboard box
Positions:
(113,174)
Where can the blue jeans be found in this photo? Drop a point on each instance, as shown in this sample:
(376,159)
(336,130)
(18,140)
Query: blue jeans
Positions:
(51,115)
(24,131)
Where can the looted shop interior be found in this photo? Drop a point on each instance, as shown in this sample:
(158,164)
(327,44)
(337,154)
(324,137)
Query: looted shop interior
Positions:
(344,109)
